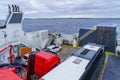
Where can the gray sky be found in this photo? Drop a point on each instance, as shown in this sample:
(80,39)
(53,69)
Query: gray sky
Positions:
(64,8)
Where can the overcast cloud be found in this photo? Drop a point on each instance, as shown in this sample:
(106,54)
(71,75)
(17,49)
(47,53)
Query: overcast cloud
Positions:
(64,8)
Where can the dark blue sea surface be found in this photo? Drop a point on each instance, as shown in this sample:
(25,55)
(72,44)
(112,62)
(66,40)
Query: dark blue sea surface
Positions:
(67,25)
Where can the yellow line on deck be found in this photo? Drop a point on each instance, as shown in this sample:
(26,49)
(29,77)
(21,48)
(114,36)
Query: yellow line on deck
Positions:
(105,63)
(71,46)
(110,53)
(103,69)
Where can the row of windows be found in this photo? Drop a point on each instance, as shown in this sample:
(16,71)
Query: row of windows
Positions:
(16,18)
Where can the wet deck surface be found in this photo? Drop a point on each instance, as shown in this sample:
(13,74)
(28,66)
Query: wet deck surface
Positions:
(112,71)
(66,52)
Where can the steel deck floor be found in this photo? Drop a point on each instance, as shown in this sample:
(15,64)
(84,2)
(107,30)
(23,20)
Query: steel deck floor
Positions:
(112,71)
(66,52)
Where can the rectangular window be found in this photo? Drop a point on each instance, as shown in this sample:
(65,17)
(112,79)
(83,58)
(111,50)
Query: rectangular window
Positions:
(16,18)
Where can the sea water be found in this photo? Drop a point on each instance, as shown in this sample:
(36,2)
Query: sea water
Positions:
(67,25)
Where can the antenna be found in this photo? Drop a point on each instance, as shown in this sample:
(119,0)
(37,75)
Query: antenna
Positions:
(13,8)
(9,8)
(18,8)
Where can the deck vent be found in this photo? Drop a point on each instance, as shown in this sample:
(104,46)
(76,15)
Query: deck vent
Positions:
(85,52)
(77,61)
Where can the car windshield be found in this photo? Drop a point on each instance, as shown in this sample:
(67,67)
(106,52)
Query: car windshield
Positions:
(55,47)
(25,57)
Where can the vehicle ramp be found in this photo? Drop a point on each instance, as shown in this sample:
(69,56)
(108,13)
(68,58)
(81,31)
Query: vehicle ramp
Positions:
(84,33)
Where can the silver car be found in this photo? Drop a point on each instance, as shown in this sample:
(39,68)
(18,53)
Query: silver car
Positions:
(54,48)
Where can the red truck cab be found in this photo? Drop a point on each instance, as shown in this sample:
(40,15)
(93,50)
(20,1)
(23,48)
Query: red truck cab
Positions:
(8,74)
(39,63)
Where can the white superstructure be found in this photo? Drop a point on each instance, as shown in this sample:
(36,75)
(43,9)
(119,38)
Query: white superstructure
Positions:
(12,33)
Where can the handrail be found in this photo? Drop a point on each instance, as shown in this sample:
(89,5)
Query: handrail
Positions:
(11,53)
(5,48)
(86,34)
